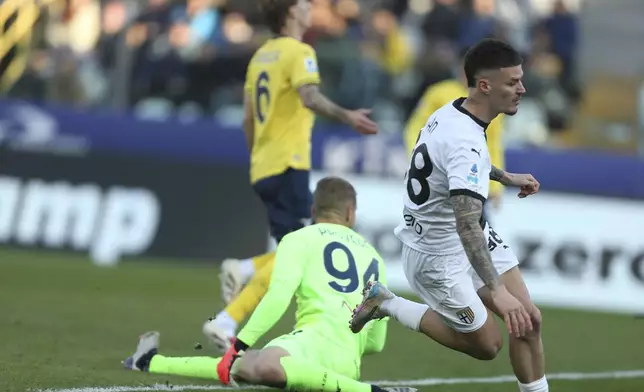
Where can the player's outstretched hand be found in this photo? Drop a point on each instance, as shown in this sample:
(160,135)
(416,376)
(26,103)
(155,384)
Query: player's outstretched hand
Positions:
(359,119)
(225,365)
(526,182)
(515,315)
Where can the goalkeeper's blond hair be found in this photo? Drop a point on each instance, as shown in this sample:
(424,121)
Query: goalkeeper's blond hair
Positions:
(333,196)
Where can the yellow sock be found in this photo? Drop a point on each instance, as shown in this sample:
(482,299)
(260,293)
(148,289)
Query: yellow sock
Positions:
(260,261)
(246,302)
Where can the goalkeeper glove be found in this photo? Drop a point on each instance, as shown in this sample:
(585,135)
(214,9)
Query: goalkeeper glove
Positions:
(225,365)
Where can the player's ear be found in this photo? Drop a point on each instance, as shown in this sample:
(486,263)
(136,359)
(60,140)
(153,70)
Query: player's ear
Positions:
(351,215)
(484,85)
(313,212)
(292,11)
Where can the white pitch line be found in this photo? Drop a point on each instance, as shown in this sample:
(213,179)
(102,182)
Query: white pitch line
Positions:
(622,374)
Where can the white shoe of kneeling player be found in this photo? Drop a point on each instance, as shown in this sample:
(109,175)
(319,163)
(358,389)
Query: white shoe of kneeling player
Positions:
(221,338)
(230,279)
(146,349)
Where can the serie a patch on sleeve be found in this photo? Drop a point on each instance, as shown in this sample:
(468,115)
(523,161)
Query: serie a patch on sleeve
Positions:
(310,65)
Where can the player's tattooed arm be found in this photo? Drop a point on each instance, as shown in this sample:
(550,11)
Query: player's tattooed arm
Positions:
(313,99)
(468,212)
(500,175)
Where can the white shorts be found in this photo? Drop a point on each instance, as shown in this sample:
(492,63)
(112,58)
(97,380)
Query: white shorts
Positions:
(449,284)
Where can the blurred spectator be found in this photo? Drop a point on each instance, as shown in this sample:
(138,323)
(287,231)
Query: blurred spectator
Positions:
(173,54)
(387,54)
(76,26)
(193,26)
(155,67)
(153,21)
(562,29)
(516,19)
(113,20)
(440,31)
(477,22)
(62,65)
(391,47)
(72,37)
(442,22)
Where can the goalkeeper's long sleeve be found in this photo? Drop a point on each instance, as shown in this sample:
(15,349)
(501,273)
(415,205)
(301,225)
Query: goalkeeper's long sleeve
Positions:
(377,337)
(285,279)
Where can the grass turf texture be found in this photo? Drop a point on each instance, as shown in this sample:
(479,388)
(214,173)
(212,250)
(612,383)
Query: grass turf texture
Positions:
(66,323)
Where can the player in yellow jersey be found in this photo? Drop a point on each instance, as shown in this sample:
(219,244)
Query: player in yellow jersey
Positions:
(435,97)
(324,266)
(281,99)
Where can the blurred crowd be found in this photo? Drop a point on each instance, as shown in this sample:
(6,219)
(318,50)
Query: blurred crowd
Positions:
(162,57)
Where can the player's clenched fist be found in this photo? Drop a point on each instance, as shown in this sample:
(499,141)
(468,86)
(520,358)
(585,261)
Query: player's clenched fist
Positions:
(526,182)
(225,365)
(359,119)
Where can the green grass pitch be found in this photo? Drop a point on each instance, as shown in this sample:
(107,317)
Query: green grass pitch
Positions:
(65,323)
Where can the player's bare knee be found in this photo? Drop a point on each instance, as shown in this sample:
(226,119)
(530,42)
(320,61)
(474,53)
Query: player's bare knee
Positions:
(486,342)
(488,350)
(246,370)
(268,369)
(270,372)
(490,341)
(484,351)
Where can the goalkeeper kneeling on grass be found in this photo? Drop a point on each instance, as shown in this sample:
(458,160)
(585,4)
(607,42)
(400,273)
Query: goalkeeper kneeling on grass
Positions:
(323,266)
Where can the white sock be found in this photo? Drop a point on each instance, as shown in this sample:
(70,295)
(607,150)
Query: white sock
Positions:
(224,321)
(247,269)
(541,385)
(406,312)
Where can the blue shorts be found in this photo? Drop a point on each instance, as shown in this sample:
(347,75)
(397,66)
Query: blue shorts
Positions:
(288,200)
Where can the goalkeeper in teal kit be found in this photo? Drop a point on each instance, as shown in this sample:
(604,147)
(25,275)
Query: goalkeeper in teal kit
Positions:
(324,265)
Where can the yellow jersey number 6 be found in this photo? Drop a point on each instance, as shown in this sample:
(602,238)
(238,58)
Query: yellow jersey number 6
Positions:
(261,90)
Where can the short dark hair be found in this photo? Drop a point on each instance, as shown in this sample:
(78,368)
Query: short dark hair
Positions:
(333,195)
(489,54)
(276,12)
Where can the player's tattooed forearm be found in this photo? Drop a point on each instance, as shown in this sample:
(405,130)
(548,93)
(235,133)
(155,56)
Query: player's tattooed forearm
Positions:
(317,102)
(500,175)
(497,174)
(468,212)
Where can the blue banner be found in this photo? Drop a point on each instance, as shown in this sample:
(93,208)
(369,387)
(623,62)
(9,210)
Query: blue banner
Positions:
(571,171)
(63,129)
(336,149)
